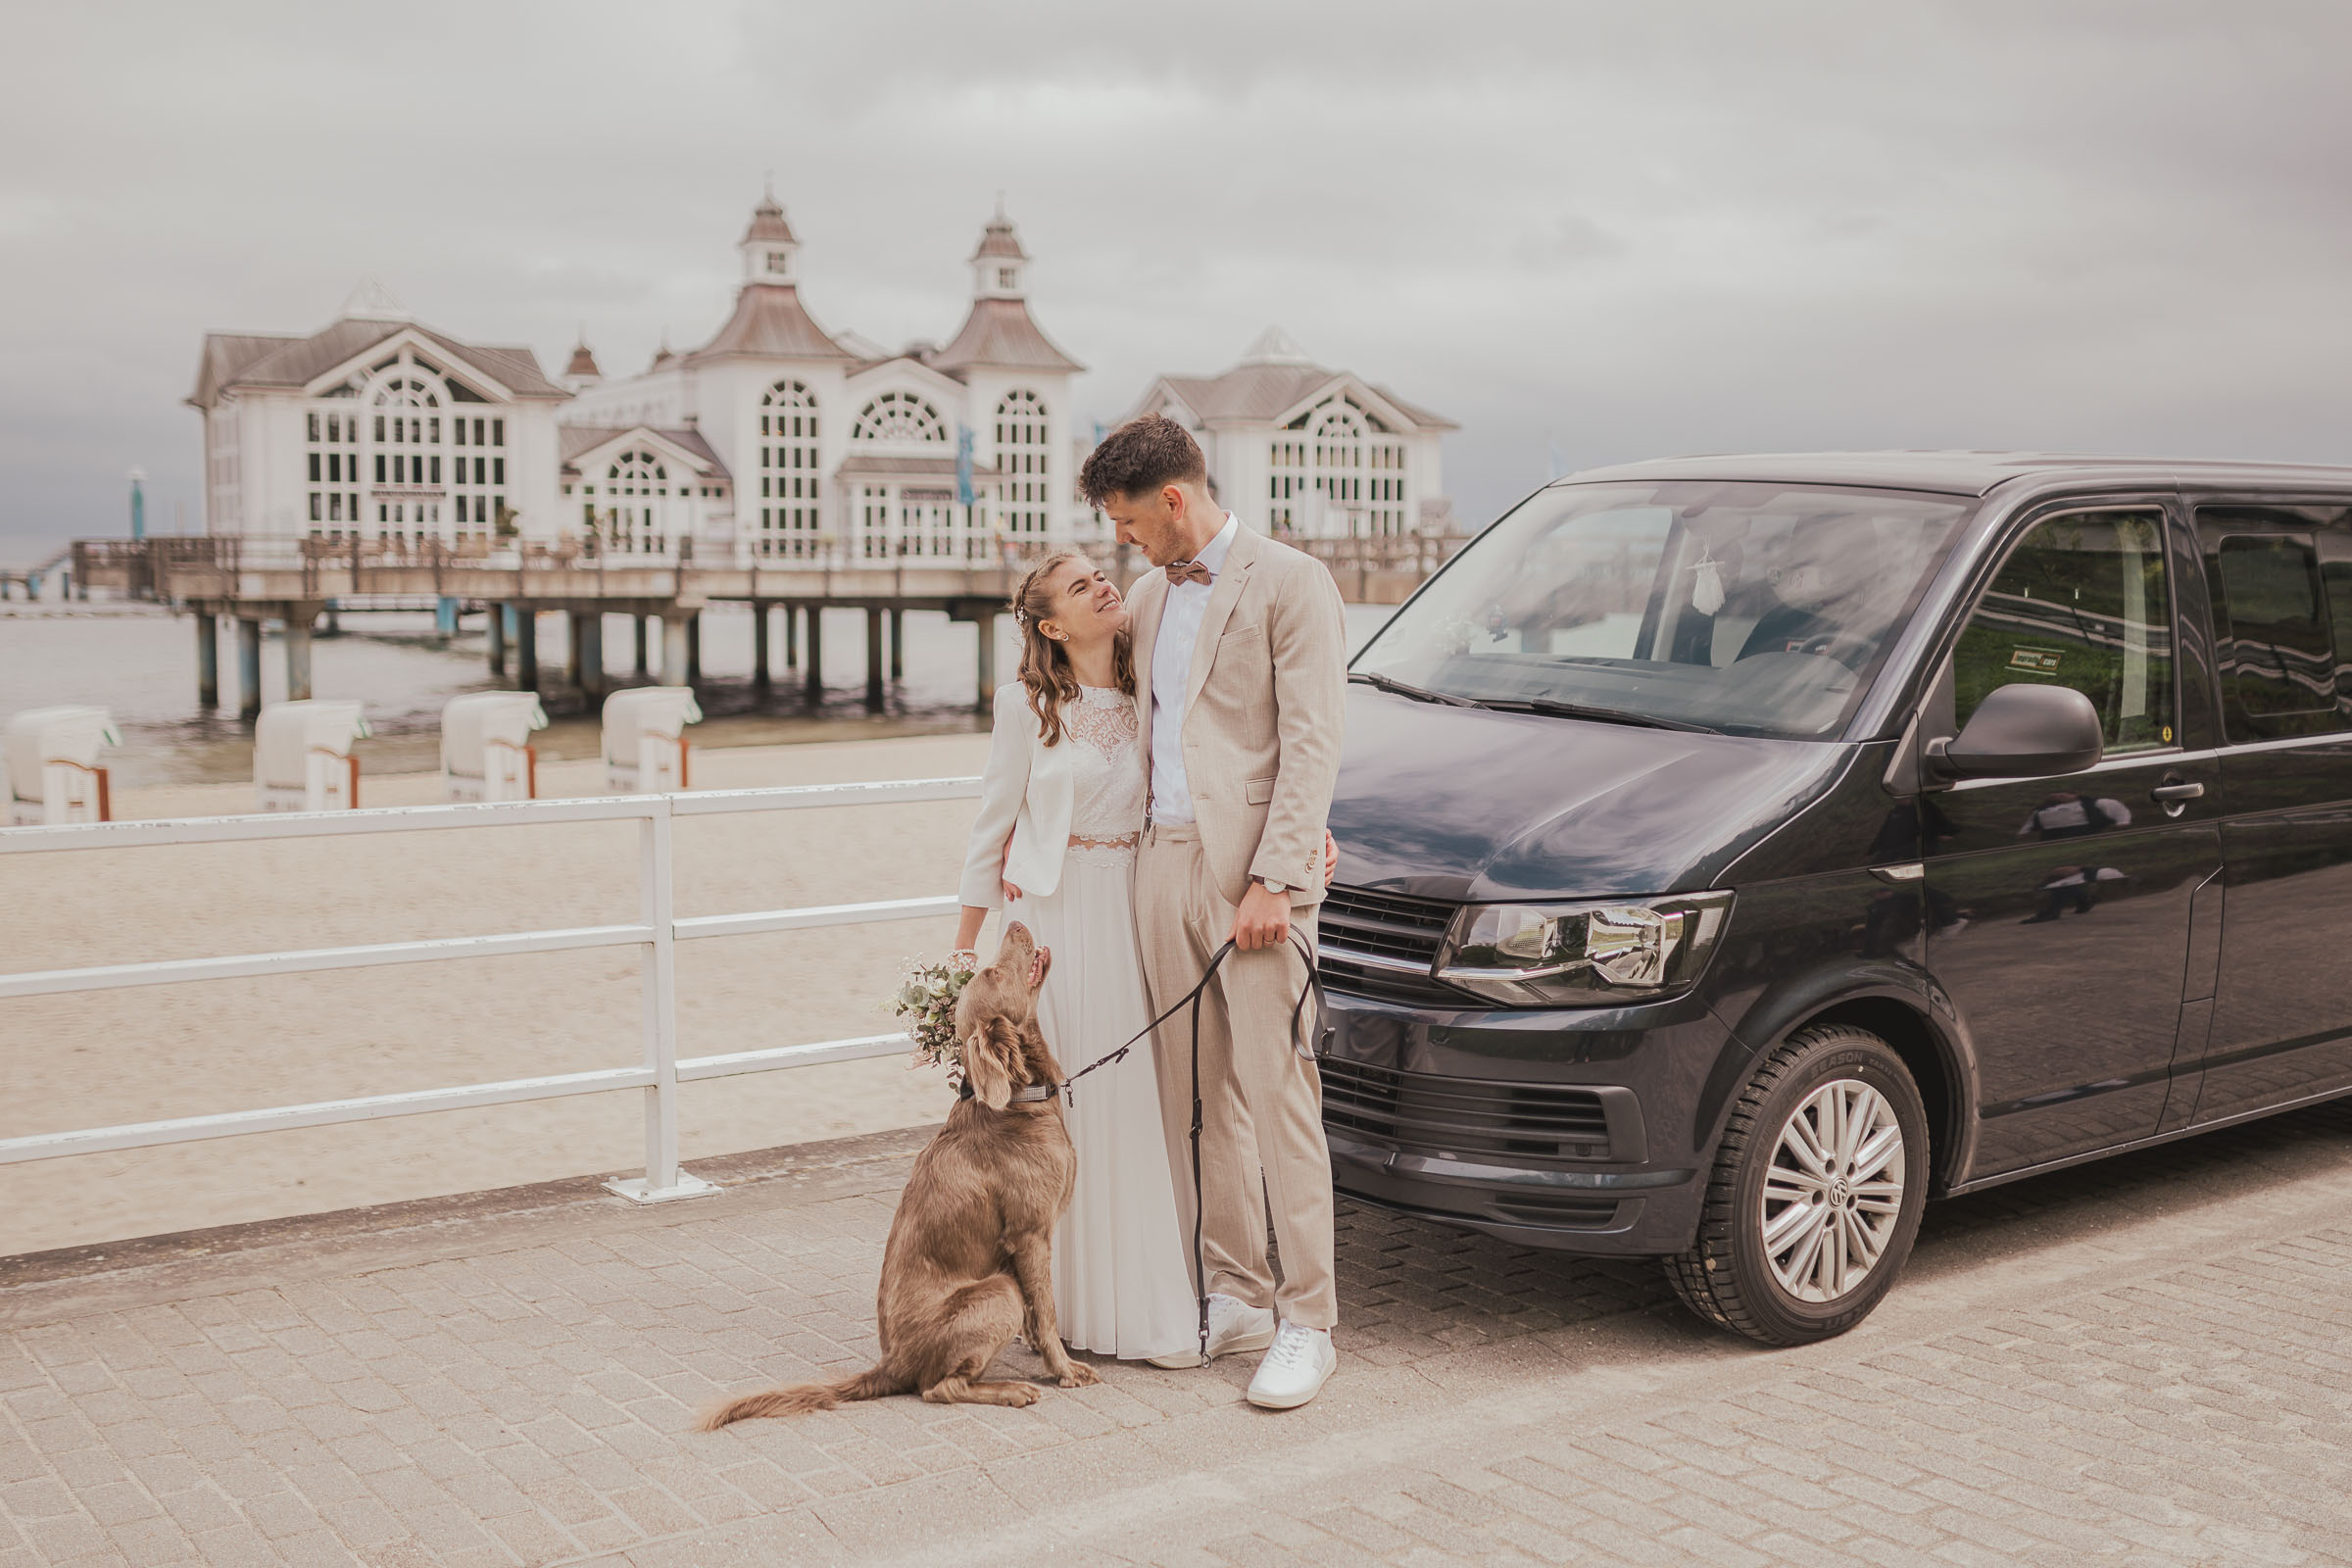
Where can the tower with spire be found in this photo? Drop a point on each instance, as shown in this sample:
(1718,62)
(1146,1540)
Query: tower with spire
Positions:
(833,444)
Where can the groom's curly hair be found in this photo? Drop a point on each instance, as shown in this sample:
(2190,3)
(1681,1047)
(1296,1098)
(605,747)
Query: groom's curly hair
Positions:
(1139,458)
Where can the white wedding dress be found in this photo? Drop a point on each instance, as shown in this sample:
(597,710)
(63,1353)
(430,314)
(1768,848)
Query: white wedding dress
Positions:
(1121,1287)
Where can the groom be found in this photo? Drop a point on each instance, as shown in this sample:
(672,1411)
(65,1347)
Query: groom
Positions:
(1239,660)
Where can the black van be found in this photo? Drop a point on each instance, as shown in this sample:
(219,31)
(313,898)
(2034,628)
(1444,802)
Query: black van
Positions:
(1738,851)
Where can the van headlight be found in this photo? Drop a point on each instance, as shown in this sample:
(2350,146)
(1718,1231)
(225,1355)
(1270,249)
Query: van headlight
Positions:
(1590,954)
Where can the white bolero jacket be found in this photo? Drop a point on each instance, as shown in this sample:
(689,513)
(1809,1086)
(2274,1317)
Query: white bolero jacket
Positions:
(1025,790)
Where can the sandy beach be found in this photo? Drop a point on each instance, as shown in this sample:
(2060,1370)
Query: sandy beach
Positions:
(161,1051)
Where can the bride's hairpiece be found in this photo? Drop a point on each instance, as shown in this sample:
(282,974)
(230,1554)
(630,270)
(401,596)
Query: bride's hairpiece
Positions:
(1020,618)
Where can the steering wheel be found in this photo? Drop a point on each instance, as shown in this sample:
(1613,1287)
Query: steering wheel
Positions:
(1850,650)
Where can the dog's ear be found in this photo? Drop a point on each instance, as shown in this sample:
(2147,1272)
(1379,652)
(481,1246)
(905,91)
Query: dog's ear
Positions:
(985,1066)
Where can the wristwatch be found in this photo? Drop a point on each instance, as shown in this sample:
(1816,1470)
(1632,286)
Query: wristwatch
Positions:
(1270,885)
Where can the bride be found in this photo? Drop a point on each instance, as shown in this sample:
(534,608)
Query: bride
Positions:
(1061,807)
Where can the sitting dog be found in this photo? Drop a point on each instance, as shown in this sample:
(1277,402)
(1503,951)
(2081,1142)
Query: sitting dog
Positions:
(969,1262)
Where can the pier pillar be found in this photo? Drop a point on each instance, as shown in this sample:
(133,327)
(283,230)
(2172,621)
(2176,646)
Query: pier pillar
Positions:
(759,674)
(673,649)
(298,652)
(694,649)
(249,668)
(898,645)
(208,659)
(985,625)
(526,650)
(445,616)
(642,667)
(792,646)
(588,654)
(873,659)
(334,620)
(817,652)
(494,635)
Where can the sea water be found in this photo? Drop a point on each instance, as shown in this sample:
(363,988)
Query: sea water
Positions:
(140,662)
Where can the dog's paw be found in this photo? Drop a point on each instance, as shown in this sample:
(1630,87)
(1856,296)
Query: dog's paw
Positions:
(1081,1376)
(1024,1394)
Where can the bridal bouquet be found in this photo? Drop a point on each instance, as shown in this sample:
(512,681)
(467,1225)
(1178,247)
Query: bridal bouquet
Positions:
(926,1000)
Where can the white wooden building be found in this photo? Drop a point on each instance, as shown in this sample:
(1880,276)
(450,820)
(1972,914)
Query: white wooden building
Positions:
(832,447)
(375,428)
(1298,449)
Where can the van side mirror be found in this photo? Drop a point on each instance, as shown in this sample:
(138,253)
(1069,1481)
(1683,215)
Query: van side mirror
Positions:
(2022,731)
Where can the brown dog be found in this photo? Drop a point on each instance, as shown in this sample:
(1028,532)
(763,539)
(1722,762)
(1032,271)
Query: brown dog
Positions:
(969,1262)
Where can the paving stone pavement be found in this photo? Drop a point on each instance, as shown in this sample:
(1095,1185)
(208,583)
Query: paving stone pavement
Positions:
(2144,1360)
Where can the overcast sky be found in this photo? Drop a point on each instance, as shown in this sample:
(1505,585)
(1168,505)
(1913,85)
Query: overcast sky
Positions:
(1623,230)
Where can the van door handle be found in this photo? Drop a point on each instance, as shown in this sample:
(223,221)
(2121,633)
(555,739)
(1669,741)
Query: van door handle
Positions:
(2169,793)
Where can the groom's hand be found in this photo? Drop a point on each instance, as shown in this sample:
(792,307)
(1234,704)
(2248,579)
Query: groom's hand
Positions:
(1262,921)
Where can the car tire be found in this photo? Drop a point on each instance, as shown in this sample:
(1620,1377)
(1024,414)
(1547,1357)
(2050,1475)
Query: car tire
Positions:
(1815,1195)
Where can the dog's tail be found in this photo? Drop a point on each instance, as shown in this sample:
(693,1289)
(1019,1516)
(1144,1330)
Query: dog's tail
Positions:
(804,1397)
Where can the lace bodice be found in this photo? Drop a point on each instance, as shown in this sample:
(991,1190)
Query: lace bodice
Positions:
(1107,793)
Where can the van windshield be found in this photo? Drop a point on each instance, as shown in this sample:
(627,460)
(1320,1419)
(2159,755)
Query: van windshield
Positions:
(1751,609)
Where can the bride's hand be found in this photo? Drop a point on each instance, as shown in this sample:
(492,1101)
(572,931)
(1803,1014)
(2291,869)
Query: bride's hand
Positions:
(1331,856)
(1012,894)
(1005,859)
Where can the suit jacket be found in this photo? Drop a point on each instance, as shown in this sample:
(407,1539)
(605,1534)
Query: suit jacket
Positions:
(1262,711)
(1026,791)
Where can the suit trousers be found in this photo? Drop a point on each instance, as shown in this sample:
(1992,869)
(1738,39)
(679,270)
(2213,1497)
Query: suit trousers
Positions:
(1261,1127)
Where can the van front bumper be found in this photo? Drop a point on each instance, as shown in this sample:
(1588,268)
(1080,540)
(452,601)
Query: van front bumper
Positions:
(1564,1128)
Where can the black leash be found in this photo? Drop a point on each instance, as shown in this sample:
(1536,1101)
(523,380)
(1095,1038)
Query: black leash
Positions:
(1191,999)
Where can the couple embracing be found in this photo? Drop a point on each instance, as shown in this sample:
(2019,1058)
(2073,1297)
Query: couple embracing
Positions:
(1157,783)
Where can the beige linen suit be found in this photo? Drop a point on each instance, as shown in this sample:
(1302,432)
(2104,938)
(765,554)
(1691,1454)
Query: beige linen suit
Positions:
(1261,711)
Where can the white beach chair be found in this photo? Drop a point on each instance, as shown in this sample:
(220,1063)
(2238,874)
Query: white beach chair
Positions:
(486,751)
(302,757)
(52,764)
(645,738)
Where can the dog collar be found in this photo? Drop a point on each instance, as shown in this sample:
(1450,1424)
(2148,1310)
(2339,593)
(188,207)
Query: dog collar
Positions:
(1027,1095)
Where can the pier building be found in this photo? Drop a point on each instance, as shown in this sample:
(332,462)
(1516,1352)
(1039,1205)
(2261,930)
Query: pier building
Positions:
(780,463)
(375,426)
(1305,451)
(836,446)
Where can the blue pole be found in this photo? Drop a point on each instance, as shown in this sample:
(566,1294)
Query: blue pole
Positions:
(445,615)
(139,505)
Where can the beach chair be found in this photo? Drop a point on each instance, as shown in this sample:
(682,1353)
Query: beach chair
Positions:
(52,766)
(302,757)
(486,751)
(645,738)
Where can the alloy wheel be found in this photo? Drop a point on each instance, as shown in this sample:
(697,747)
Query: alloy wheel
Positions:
(1834,1195)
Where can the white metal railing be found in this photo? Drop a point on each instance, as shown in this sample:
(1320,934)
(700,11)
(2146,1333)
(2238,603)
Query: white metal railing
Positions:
(656,933)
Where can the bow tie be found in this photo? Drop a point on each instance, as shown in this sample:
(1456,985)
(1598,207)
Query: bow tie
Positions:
(1180,572)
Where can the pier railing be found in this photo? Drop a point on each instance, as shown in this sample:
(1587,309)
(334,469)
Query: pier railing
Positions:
(654,934)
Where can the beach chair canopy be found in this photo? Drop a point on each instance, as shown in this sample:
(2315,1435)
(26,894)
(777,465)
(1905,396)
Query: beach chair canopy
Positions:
(470,723)
(39,736)
(288,733)
(641,710)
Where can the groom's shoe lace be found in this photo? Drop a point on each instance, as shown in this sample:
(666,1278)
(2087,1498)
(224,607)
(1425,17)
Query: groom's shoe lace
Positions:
(1292,1346)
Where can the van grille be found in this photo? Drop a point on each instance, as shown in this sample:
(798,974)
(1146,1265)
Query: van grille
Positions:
(1384,925)
(1519,1123)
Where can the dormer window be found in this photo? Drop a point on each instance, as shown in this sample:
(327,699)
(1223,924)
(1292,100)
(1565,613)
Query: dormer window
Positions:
(779,261)
(1006,276)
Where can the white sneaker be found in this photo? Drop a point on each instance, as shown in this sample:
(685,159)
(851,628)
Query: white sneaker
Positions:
(1233,1325)
(1295,1369)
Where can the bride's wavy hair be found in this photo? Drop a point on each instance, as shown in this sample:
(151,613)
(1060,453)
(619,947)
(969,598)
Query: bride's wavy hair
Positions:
(1045,663)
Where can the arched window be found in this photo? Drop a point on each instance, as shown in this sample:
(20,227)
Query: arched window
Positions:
(899,416)
(407,461)
(637,519)
(1022,453)
(789,504)
(1337,471)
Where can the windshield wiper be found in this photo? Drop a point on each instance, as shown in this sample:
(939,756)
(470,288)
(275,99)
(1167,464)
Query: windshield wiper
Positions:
(1416,693)
(1552,708)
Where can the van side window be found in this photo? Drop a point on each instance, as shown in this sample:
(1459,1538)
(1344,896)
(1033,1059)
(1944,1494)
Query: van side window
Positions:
(2273,620)
(2082,602)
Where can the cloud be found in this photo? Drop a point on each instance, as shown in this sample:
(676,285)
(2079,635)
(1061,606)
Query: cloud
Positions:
(1642,229)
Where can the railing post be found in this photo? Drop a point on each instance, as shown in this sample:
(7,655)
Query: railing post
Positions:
(658,973)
